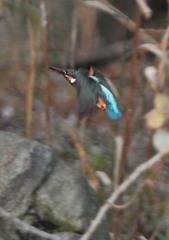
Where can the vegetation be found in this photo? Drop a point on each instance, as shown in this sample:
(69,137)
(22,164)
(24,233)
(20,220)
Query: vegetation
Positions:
(127,44)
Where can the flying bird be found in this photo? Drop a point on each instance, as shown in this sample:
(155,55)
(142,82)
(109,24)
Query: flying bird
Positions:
(93,92)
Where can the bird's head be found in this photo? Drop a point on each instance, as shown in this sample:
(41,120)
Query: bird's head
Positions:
(69,74)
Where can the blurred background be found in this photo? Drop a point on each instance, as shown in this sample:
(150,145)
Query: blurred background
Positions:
(119,40)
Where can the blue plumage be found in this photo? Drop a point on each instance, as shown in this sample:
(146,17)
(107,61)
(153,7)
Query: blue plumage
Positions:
(92,90)
(94,78)
(112,108)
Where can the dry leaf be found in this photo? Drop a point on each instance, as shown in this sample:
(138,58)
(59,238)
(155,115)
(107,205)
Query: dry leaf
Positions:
(152,48)
(152,76)
(155,118)
(161,101)
(161,141)
(104,178)
(146,10)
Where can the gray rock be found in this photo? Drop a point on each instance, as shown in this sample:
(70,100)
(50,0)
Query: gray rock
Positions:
(65,198)
(44,191)
(7,232)
(23,165)
(58,236)
(68,201)
(68,236)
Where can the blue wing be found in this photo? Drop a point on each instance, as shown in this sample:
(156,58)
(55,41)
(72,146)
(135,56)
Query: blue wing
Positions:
(94,78)
(112,108)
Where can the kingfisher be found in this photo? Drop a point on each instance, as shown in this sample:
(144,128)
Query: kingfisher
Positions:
(93,92)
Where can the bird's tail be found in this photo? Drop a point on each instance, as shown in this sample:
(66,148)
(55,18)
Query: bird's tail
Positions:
(112,113)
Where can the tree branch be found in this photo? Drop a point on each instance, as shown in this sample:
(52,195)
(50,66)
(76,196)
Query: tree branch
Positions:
(105,6)
(24,227)
(122,187)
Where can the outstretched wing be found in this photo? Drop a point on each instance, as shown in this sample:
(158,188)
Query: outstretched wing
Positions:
(112,108)
(101,80)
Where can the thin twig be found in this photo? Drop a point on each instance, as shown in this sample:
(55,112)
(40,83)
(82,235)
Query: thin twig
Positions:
(117,176)
(160,221)
(141,237)
(115,195)
(146,10)
(130,99)
(130,201)
(119,147)
(120,17)
(162,64)
(82,153)
(24,227)
(46,59)
(152,48)
(31,79)
(73,38)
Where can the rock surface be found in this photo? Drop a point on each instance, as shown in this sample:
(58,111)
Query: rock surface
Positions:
(23,165)
(44,191)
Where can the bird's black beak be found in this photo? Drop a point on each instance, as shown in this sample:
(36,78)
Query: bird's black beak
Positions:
(59,70)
